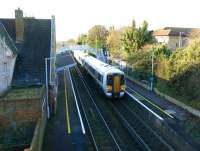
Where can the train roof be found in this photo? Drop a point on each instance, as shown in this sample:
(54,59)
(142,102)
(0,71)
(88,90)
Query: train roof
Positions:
(100,66)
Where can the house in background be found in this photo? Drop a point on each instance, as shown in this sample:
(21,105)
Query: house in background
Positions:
(8,54)
(174,37)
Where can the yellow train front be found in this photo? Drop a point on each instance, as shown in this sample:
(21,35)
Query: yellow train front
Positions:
(114,84)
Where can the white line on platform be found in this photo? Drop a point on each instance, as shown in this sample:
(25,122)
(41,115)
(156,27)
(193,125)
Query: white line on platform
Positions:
(134,98)
(79,114)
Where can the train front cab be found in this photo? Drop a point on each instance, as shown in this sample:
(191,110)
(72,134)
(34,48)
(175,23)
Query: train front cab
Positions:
(115,85)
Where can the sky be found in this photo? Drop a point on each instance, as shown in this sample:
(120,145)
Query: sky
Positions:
(74,17)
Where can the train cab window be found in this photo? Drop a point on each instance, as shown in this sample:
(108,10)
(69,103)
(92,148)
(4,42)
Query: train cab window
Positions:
(109,80)
(122,79)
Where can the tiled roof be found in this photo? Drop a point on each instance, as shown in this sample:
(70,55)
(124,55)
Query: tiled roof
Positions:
(30,64)
(161,32)
(8,40)
(174,31)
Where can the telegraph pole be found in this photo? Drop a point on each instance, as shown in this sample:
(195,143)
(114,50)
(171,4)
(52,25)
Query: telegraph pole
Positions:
(152,68)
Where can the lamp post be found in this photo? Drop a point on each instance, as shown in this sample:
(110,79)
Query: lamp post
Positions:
(47,84)
(152,68)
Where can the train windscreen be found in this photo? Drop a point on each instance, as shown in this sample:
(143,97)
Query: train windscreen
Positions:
(109,80)
(122,80)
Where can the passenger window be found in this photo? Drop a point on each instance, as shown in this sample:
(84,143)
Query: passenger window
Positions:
(100,78)
(98,75)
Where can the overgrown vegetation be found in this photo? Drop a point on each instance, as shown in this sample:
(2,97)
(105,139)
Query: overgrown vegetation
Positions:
(97,37)
(114,42)
(82,39)
(180,74)
(23,93)
(176,72)
(135,38)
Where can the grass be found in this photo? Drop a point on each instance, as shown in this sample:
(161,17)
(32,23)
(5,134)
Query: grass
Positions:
(22,93)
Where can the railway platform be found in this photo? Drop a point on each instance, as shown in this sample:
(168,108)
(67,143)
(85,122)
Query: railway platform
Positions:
(64,131)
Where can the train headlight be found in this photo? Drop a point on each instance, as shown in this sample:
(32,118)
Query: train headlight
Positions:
(123,87)
(109,88)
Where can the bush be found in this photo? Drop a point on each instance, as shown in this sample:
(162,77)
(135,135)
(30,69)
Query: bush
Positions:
(141,62)
(181,71)
(187,83)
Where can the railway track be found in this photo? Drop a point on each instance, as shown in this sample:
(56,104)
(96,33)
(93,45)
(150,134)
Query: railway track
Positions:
(144,134)
(123,137)
(149,103)
(102,137)
(127,112)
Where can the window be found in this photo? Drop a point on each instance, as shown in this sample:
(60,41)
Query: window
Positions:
(122,79)
(91,70)
(99,77)
(109,80)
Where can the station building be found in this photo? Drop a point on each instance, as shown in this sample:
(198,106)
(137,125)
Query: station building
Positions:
(30,41)
(8,55)
(25,42)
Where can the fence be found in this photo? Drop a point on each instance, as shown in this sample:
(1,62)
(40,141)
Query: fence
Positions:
(143,77)
(37,140)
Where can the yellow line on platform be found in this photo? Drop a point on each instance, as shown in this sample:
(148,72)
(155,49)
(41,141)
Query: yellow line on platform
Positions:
(67,108)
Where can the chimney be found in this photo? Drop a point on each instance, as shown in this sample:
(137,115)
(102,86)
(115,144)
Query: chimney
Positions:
(19,24)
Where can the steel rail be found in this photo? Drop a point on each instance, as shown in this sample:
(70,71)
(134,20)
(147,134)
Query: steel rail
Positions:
(148,127)
(131,130)
(86,117)
(89,92)
(148,101)
(144,106)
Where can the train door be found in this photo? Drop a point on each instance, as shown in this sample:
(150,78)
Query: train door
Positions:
(116,83)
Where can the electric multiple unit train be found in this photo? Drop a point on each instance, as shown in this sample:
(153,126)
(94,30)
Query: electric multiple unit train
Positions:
(110,79)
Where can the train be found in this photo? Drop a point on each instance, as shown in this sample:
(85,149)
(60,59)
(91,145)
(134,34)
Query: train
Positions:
(110,79)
